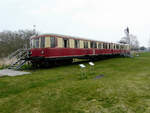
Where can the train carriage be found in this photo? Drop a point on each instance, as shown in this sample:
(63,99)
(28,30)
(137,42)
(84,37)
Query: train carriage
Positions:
(50,47)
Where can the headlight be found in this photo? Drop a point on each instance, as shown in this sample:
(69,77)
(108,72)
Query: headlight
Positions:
(42,52)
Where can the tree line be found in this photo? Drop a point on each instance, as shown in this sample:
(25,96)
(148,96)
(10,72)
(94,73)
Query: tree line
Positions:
(131,40)
(10,41)
(134,43)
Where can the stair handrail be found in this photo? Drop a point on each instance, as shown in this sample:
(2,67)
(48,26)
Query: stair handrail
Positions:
(21,64)
(14,54)
(20,55)
(23,56)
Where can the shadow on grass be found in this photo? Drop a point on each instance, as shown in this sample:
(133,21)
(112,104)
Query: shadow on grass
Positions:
(102,58)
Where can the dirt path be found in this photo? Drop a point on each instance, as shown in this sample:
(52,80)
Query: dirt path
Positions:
(9,72)
(5,61)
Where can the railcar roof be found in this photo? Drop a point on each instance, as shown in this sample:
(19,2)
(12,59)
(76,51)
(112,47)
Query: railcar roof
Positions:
(73,37)
(64,36)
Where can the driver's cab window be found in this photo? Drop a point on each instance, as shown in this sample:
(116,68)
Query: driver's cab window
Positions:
(35,43)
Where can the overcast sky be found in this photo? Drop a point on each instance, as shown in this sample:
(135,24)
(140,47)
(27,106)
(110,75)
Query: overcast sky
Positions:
(96,19)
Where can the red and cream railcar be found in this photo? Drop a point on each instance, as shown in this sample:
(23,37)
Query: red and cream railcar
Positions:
(54,46)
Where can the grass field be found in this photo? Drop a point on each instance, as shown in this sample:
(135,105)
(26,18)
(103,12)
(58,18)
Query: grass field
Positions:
(125,88)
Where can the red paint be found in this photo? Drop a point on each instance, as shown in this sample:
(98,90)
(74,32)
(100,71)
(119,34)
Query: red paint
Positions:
(67,52)
(64,52)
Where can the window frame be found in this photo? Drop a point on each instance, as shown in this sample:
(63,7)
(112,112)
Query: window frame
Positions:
(42,43)
(54,44)
(76,43)
(85,44)
(35,43)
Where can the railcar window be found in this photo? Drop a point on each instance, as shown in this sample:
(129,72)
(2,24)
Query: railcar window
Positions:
(85,44)
(109,46)
(95,45)
(100,45)
(31,43)
(42,42)
(35,43)
(117,46)
(53,42)
(66,43)
(105,45)
(92,43)
(122,47)
(77,44)
(114,47)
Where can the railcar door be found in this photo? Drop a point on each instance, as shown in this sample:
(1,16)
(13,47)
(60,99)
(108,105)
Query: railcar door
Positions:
(93,46)
(66,43)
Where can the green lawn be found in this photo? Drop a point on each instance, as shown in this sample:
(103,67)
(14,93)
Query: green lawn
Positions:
(125,88)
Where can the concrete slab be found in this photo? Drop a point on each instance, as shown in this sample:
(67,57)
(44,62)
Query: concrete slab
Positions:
(10,72)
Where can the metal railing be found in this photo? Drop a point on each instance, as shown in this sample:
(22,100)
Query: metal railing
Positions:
(18,58)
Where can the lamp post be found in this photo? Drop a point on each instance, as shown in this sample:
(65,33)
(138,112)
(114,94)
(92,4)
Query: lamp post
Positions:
(126,31)
(34,29)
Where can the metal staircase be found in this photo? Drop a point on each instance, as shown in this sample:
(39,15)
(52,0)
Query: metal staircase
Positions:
(18,58)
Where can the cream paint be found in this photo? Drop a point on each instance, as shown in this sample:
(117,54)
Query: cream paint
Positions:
(47,42)
(71,42)
(89,46)
(60,42)
(81,44)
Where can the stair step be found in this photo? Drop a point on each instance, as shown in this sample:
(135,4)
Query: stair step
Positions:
(21,56)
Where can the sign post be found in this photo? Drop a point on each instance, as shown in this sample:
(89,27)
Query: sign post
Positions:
(91,67)
(126,31)
(83,71)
